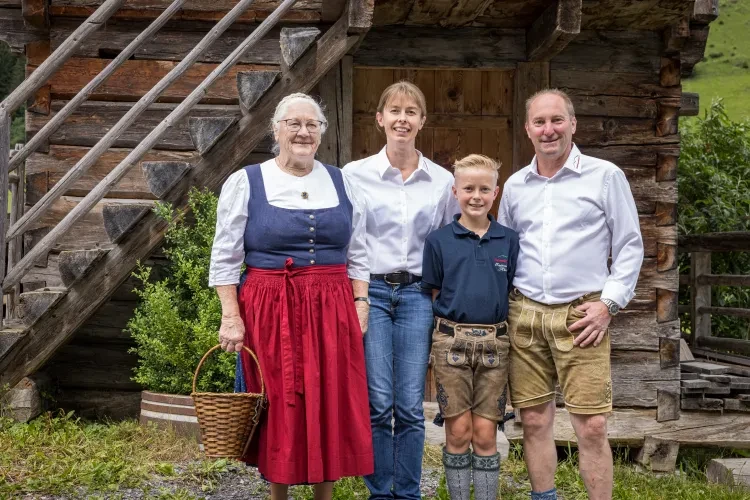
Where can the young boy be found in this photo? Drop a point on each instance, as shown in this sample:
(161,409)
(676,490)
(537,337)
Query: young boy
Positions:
(469,265)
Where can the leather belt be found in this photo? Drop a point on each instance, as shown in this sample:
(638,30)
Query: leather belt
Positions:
(472,330)
(397,278)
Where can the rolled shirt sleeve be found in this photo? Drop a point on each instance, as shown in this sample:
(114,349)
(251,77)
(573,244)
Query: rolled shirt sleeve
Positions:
(228,251)
(627,243)
(358,265)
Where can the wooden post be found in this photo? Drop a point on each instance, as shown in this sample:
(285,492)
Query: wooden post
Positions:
(700,295)
(336,92)
(4,161)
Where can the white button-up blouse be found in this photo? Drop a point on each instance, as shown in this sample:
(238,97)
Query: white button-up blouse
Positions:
(567,225)
(282,190)
(400,213)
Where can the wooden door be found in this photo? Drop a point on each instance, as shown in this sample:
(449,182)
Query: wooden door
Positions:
(468,111)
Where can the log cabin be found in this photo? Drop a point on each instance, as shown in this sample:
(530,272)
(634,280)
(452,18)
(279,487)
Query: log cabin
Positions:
(132,101)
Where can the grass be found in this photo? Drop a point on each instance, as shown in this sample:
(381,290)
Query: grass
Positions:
(61,455)
(725,72)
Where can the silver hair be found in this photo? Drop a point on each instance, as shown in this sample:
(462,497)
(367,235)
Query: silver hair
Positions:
(282,108)
(559,93)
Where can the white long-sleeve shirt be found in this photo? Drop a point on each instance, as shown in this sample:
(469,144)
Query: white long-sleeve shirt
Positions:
(567,226)
(400,213)
(282,190)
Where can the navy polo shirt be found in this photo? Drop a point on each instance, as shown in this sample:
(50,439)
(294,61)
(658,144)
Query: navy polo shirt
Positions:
(474,275)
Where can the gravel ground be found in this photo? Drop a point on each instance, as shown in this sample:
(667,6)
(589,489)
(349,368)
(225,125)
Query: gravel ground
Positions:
(238,482)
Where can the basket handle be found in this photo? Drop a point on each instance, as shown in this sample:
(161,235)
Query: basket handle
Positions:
(252,355)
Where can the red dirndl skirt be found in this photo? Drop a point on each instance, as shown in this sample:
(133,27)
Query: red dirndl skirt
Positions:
(302,324)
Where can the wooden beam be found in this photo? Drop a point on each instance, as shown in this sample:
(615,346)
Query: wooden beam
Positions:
(35,13)
(332,10)
(161,176)
(738,346)
(726,311)
(14,31)
(294,42)
(205,131)
(730,241)
(53,63)
(700,296)
(705,11)
(529,79)
(690,104)
(391,12)
(252,85)
(5,121)
(393,46)
(553,30)
(724,280)
(446,13)
(658,455)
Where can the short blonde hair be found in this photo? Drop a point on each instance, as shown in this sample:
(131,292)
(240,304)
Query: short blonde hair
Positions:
(404,88)
(477,161)
(559,93)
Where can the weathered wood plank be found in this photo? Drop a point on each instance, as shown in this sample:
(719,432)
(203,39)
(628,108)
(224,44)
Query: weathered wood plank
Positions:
(35,14)
(705,11)
(668,405)
(33,305)
(634,15)
(511,13)
(632,84)
(738,346)
(252,85)
(92,120)
(439,48)
(639,330)
(629,427)
(205,131)
(611,51)
(647,191)
(704,368)
(172,43)
(658,455)
(604,131)
(553,30)
(446,12)
(98,404)
(134,79)
(161,176)
(294,42)
(103,366)
(391,12)
(694,48)
(729,471)
(195,5)
(51,167)
(249,16)
(690,104)
(74,265)
(15,33)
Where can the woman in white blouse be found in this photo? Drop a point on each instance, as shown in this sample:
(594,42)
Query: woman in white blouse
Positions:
(290,220)
(407,197)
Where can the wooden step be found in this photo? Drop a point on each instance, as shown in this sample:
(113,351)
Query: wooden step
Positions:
(74,265)
(252,85)
(161,176)
(33,304)
(294,43)
(9,335)
(205,131)
(120,218)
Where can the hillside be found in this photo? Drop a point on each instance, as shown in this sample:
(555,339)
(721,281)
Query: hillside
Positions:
(725,71)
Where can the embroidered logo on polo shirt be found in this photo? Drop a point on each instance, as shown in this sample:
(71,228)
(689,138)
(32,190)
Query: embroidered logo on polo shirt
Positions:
(501,263)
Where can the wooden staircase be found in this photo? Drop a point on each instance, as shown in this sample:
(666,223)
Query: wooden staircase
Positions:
(39,322)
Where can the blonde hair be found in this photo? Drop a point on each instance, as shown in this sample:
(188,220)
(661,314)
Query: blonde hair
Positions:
(477,161)
(404,88)
(559,93)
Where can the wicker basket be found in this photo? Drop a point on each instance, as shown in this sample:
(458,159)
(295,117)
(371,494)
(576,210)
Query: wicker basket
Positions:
(228,421)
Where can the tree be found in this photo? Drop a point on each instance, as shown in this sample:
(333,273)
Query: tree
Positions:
(714,195)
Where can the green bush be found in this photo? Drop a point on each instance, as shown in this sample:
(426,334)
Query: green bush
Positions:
(714,196)
(178,317)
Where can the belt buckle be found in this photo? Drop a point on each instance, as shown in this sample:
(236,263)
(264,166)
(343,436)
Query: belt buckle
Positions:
(385,278)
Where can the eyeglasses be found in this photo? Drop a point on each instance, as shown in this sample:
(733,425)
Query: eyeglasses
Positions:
(294,125)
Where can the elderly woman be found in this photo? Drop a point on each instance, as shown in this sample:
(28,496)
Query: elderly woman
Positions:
(407,197)
(290,220)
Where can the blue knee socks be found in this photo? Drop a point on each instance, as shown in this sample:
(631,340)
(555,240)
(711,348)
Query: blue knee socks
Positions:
(545,495)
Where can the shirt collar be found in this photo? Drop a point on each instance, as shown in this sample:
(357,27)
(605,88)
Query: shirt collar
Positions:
(573,163)
(495,230)
(384,163)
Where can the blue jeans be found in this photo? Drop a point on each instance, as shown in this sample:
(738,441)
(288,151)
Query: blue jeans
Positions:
(397,350)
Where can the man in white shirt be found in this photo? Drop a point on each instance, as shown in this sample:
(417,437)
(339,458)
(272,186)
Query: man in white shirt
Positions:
(570,211)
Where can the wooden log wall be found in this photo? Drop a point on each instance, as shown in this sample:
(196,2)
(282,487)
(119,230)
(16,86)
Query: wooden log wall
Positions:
(627,94)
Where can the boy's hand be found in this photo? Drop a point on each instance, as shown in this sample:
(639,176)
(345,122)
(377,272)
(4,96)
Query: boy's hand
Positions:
(363,314)
(594,324)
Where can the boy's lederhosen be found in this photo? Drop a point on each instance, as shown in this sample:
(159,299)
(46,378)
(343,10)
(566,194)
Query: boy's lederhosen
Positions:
(470,366)
(543,351)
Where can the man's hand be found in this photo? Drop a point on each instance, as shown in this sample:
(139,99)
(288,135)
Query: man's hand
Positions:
(594,324)
(363,314)
(231,333)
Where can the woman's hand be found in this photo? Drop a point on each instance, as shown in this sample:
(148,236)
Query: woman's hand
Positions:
(363,314)
(231,333)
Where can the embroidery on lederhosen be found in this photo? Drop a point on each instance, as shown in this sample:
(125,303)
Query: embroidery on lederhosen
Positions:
(442,396)
(608,392)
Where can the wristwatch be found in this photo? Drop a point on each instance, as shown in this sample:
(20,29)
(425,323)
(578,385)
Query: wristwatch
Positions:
(612,306)
(362,299)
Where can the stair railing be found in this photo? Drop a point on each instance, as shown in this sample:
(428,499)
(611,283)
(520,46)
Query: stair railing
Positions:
(16,98)
(106,184)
